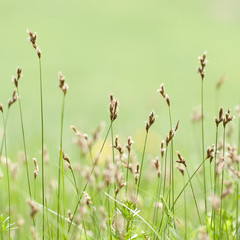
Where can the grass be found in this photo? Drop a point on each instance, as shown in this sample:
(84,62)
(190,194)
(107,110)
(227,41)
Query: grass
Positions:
(109,194)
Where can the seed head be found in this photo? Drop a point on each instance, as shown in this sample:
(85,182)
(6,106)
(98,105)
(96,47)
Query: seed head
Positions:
(151,120)
(137,171)
(227,118)
(162,148)
(1,107)
(19,73)
(34,208)
(157,165)
(203,63)
(63,86)
(181,159)
(211,152)
(221,81)
(220,117)
(180,169)
(36,171)
(113,108)
(161,90)
(65,158)
(14,99)
(32,38)
(129,144)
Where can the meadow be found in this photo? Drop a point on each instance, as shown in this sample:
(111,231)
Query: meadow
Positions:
(118,154)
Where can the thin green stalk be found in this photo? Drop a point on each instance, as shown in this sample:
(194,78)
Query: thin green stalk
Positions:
(194,197)
(185,209)
(165,172)
(171,157)
(42,151)
(143,154)
(25,149)
(237,224)
(215,183)
(221,207)
(128,160)
(203,151)
(61,169)
(189,180)
(86,184)
(8,179)
(114,185)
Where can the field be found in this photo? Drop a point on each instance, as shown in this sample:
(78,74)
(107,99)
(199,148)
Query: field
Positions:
(127,49)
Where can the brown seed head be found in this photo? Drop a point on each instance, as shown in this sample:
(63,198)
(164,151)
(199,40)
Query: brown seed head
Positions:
(36,171)
(113,108)
(180,169)
(211,152)
(137,171)
(38,52)
(220,117)
(19,73)
(203,63)
(162,148)
(151,120)
(227,118)
(161,90)
(221,81)
(32,38)
(62,85)
(129,144)
(14,99)
(1,107)
(34,208)
(181,159)
(65,158)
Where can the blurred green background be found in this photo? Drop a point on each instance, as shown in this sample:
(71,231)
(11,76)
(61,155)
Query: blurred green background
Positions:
(125,47)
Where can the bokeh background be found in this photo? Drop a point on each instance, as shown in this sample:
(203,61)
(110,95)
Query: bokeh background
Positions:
(123,47)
